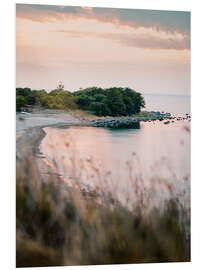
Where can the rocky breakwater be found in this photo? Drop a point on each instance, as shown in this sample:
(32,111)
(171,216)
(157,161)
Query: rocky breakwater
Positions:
(134,121)
(116,123)
(125,122)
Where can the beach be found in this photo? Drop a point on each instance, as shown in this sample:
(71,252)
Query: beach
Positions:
(102,136)
(56,188)
(30,127)
(29,134)
(45,136)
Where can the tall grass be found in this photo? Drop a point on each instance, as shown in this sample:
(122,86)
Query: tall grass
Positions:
(61,225)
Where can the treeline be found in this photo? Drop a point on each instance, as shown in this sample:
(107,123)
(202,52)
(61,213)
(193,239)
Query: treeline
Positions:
(112,101)
(102,102)
(57,99)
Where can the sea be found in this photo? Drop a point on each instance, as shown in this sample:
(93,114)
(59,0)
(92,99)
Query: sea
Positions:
(153,160)
(176,104)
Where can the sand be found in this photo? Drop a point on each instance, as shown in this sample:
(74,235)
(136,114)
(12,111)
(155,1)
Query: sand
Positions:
(29,134)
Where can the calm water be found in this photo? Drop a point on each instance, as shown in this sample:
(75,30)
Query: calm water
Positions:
(169,103)
(156,156)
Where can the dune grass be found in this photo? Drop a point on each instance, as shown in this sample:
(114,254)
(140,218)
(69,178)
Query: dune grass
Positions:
(60,225)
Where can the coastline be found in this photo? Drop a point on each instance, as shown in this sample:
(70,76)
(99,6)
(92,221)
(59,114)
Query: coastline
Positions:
(48,193)
(28,146)
(28,140)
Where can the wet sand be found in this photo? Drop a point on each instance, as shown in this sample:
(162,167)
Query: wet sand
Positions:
(29,134)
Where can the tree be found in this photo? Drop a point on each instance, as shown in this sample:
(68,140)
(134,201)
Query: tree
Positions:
(130,109)
(31,98)
(115,102)
(99,97)
(20,102)
(112,101)
(84,101)
(139,102)
(133,101)
(23,91)
(41,98)
(60,100)
(99,108)
(55,92)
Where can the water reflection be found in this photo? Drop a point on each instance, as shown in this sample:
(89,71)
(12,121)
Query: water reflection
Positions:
(156,156)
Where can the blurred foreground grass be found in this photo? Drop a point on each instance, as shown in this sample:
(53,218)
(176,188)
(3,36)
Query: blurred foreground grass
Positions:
(58,225)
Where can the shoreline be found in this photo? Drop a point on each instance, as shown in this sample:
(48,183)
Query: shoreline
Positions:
(46,172)
(89,207)
(28,143)
(28,140)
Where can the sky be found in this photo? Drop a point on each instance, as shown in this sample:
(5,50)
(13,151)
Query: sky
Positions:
(146,50)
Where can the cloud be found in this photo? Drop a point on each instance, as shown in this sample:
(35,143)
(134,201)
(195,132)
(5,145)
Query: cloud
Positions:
(169,21)
(150,42)
(172,21)
(45,13)
(145,41)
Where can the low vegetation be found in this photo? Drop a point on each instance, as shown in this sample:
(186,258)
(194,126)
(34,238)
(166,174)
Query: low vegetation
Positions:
(102,102)
(61,225)
(58,99)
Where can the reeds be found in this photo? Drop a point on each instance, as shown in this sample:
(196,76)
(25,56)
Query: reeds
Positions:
(57,224)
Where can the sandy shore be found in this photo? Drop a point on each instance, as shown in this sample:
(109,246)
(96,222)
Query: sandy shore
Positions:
(28,140)
(29,134)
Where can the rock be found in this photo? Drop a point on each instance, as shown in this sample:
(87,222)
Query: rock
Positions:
(21,118)
(129,122)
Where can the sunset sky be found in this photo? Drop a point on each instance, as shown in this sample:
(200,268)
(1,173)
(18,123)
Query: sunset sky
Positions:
(146,50)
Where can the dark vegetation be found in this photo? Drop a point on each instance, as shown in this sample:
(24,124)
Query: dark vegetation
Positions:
(57,99)
(102,102)
(60,225)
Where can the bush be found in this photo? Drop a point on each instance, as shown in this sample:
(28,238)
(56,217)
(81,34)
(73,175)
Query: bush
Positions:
(56,99)
(31,98)
(99,108)
(23,91)
(102,102)
(112,101)
(84,101)
(115,102)
(20,102)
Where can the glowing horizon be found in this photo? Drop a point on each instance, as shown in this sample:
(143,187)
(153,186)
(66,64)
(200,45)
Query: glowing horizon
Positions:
(146,50)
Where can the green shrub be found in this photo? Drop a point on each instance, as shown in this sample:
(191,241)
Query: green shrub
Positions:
(102,102)
(20,102)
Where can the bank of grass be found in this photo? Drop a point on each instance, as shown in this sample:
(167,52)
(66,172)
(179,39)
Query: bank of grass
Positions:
(58,225)
(84,115)
(88,115)
(143,114)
